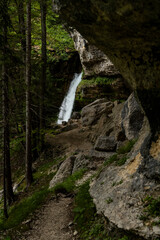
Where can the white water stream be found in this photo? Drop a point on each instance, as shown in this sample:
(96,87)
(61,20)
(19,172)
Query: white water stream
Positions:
(67,104)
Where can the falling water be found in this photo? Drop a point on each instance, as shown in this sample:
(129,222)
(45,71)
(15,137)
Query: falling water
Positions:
(67,104)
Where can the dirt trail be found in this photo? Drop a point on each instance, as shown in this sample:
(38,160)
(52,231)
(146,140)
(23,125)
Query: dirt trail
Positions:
(52,222)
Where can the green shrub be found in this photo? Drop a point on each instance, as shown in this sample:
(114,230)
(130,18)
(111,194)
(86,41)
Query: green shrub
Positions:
(121,161)
(109,200)
(153,206)
(127,147)
(69,184)
(110,160)
(97,81)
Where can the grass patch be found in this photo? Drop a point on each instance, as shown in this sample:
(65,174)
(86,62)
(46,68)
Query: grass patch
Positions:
(110,160)
(151,209)
(153,206)
(19,212)
(89,224)
(97,81)
(121,161)
(109,200)
(68,185)
(127,147)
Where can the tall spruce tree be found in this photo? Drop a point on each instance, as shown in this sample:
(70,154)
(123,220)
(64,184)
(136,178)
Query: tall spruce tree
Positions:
(43,70)
(28,162)
(7,182)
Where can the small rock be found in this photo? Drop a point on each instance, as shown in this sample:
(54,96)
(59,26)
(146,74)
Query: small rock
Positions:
(70,224)
(156,229)
(64,123)
(75,233)
(76,115)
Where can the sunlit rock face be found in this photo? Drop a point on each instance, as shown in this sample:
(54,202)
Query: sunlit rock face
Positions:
(128,32)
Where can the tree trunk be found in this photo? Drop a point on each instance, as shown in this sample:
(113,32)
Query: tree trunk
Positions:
(8,190)
(22,28)
(43,71)
(28,162)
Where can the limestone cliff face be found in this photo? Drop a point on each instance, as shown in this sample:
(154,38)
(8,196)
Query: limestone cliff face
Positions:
(128,33)
(94,61)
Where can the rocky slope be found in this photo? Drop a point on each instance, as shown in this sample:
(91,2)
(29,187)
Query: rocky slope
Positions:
(112,141)
(128,32)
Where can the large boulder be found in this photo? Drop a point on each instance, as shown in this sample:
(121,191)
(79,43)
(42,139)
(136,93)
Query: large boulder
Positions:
(92,112)
(107,144)
(64,171)
(128,32)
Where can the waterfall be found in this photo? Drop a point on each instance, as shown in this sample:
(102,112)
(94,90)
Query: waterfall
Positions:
(67,104)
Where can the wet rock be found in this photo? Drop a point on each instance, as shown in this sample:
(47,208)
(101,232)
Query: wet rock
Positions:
(92,112)
(106,144)
(76,115)
(69,127)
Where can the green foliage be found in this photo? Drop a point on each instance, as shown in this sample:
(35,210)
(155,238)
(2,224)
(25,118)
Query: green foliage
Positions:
(16,144)
(153,206)
(109,200)
(121,161)
(84,210)
(110,160)
(97,81)
(20,211)
(117,183)
(151,209)
(127,147)
(89,225)
(69,184)
(124,238)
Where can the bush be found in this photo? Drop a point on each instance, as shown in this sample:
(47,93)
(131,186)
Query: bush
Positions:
(127,147)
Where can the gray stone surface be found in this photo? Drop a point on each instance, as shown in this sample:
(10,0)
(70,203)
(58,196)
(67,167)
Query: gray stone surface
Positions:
(93,60)
(100,155)
(64,171)
(132,117)
(92,112)
(118,191)
(80,162)
(106,144)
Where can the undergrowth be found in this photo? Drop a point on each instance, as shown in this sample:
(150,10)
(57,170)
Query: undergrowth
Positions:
(127,147)
(97,81)
(151,209)
(19,212)
(89,224)
(68,185)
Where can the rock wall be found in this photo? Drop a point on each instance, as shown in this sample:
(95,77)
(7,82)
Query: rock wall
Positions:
(128,33)
(94,61)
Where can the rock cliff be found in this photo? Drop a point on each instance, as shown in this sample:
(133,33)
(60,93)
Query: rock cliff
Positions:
(128,33)
(94,61)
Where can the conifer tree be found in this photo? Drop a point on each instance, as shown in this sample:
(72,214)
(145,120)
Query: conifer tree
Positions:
(28,162)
